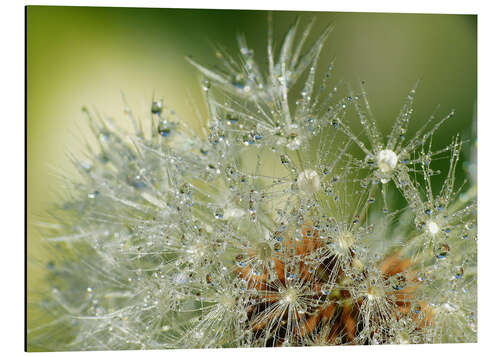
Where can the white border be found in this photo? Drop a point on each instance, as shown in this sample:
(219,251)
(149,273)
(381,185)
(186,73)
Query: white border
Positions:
(12,167)
(422,6)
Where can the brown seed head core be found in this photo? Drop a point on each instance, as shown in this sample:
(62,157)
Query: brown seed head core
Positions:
(293,304)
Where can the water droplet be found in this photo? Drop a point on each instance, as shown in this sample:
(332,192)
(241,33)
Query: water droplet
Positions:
(398,282)
(240,260)
(370,160)
(459,272)
(157,106)
(93,194)
(180,278)
(426,160)
(432,227)
(309,182)
(248,140)
(185,189)
(206,85)
(387,161)
(285,160)
(51,265)
(239,82)
(442,251)
(264,251)
(246,52)
(231,120)
(209,279)
(165,128)
(219,213)
(294,142)
(104,136)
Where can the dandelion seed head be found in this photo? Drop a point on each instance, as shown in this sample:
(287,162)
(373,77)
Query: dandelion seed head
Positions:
(263,228)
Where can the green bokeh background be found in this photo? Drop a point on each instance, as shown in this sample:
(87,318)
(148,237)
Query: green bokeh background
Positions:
(87,56)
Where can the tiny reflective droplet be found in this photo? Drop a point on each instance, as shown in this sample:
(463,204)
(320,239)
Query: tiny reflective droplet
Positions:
(157,107)
(165,128)
(206,85)
(219,213)
(459,272)
(443,251)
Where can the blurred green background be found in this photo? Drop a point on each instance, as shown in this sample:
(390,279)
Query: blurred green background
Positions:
(87,56)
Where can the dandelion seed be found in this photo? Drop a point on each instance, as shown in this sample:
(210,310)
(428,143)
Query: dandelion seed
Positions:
(397,155)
